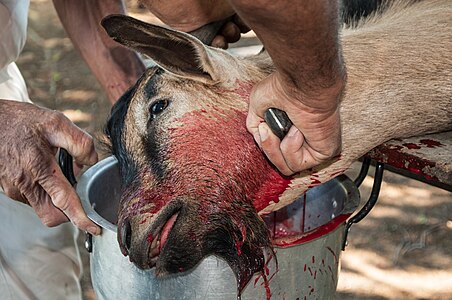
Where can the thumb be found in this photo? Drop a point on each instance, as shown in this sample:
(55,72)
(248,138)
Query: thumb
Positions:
(65,134)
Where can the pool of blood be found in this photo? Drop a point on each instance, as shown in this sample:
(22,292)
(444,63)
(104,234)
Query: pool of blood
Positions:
(290,226)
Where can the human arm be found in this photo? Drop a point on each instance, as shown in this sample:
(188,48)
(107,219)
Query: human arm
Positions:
(29,139)
(115,67)
(302,39)
(188,15)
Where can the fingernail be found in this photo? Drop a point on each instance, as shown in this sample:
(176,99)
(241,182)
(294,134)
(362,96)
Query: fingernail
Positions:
(263,132)
(257,138)
(293,131)
(94,230)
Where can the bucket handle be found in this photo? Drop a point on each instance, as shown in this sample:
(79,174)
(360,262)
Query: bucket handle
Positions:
(65,161)
(365,210)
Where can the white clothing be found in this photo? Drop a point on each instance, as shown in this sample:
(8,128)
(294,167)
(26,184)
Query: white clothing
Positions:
(13,32)
(14,87)
(36,262)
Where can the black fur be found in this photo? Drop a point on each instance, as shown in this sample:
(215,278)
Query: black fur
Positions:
(353,10)
(153,152)
(192,239)
(114,131)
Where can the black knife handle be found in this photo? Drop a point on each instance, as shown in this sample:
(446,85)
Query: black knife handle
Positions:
(66,164)
(278,121)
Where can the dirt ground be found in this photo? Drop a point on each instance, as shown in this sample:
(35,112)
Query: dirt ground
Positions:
(402,250)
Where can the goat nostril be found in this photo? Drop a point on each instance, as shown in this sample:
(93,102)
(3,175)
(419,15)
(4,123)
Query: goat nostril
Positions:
(126,235)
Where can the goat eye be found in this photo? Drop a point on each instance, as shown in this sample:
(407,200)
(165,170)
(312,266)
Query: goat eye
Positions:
(158,107)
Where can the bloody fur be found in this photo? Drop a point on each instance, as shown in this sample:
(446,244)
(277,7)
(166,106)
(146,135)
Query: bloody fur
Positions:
(215,190)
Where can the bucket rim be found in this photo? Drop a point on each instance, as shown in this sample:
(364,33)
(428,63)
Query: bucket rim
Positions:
(84,186)
(85,182)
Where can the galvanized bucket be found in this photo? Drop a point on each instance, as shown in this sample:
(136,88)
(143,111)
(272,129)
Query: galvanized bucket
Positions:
(307,264)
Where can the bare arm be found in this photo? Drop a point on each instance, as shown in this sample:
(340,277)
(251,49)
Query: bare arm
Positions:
(302,39)
(188,15)
(115,67)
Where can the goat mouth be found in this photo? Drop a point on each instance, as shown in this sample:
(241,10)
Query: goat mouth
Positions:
(158,241)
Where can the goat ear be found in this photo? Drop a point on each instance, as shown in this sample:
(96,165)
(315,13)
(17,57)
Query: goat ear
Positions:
(174,51)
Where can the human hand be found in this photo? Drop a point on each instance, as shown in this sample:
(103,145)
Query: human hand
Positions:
(29,139)
(190,15)
(230,32)
(316,132)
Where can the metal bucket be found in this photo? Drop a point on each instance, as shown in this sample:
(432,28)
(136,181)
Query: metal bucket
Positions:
(308,263)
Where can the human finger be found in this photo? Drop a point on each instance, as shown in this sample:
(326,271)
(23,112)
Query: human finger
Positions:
(270,144)
(292,149)
(62,133)
(77,168)
(64,198)
(42,204)
(252,125)
(12,191)
(231,32)
(219,41)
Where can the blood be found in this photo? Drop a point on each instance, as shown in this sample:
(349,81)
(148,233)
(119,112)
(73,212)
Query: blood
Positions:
(206,170)
(256,280)
(431,143)
(266,270)
(332,273)
(273,275)
(311,290)
(315,181)
(334,254)
(239,243)
(412,146)
(265,283)
(243,89)
(211,159)
(267,288)
(390,154)
(296,237)
(238,246)
(150,238)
